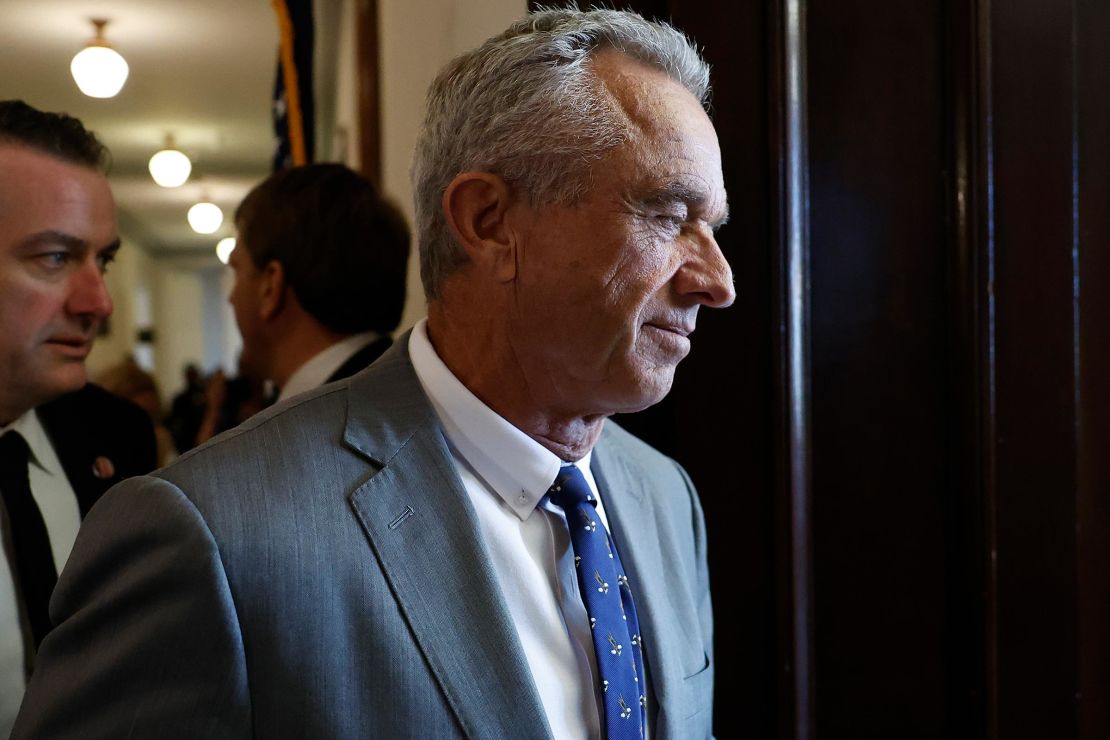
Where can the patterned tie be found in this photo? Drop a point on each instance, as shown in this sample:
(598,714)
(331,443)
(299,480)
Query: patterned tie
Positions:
(608,599)
(33,569)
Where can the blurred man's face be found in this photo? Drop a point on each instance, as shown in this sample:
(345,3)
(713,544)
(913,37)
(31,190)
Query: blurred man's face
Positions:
(609,289)
(57,235)
(245,300)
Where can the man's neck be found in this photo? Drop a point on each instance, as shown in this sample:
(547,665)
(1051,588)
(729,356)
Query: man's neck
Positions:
(469,352)
(324,365)
(10,413)
(297,346)
(570,439)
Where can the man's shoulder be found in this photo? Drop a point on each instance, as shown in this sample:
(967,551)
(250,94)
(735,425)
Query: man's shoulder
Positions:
(93,412)
(620,452)
(622,443)
(302,457)
(318,410)
(371,411)
(99,438)
(282,436)
(90,399)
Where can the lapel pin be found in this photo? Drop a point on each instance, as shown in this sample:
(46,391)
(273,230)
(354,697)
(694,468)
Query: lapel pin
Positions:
(103,468)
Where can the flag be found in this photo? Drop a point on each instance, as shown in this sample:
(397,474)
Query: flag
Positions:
(293,107)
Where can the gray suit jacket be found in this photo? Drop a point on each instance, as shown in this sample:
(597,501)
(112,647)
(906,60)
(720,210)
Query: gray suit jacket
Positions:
(318,572)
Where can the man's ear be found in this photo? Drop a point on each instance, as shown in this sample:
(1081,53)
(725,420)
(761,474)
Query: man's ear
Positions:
(475,205)
(272,288)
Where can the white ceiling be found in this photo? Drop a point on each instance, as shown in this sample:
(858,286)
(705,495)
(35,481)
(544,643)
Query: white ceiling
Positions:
(202,70)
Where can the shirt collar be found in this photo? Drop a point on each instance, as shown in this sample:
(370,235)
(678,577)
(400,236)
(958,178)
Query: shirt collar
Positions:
(32,431)
(518,468)
(317,370)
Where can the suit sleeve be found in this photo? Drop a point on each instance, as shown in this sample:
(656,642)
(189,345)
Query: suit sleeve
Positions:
(147,641)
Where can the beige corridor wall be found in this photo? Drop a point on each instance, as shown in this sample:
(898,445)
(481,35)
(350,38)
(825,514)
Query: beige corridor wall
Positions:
(417,39)
(178,315)
(127,275)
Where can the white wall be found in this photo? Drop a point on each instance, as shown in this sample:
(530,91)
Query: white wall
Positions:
(182,300)
(341,85)
(416,40)
(178,302)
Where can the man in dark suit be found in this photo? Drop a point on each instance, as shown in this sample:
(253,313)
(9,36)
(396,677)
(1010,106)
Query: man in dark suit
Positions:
(454,542)
(62,442)
(320,265)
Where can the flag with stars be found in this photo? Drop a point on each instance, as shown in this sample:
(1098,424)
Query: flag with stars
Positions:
(293,108)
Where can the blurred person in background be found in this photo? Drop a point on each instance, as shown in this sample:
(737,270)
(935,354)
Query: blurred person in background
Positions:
(320,265)
(228,402)
(187,410)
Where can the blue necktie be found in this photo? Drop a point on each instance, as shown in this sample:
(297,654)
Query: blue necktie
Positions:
(612,613)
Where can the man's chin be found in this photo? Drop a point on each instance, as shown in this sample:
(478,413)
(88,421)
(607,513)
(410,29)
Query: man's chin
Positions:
(67,378)
(646,391)
(46,386)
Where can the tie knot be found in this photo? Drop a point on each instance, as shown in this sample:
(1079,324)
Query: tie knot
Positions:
(570,488)
(14,451)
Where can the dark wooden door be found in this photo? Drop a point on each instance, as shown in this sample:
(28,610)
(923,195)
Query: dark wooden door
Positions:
(910,528)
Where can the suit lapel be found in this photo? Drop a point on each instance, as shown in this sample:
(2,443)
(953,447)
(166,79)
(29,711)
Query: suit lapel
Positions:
(425,535)
(631,515)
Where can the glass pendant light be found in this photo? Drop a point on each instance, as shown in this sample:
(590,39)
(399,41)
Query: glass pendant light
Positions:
(98,69)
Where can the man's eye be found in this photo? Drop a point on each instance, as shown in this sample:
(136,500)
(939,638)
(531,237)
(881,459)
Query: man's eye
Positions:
(104,260)
(54,259)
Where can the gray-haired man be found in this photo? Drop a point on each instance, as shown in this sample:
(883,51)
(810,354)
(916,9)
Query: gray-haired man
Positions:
(424,550)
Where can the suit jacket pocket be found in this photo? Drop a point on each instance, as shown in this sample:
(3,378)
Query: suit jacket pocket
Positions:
(697,692)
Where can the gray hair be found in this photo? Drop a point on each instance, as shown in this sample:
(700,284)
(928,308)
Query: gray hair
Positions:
(526,106)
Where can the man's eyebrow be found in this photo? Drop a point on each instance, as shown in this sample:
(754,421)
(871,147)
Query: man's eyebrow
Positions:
(112,246)
(52,237)
(55,238)
(721,218)
(695,197)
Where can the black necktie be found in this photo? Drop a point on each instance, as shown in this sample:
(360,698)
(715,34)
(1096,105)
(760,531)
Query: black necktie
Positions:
(33,569)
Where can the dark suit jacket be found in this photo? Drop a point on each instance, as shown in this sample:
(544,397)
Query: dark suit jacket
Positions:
(92,423)
(319,572)
(361,359)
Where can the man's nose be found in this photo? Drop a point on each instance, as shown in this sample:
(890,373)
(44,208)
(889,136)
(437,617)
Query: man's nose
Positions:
(706,276)
(89,293)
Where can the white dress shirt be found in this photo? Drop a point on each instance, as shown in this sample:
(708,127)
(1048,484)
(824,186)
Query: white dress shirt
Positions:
(56,500)
(506,474)
(316,371)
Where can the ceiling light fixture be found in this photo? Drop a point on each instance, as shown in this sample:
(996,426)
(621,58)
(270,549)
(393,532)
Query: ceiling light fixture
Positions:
(224,247)
(170,167)
(98,69)
(205,217)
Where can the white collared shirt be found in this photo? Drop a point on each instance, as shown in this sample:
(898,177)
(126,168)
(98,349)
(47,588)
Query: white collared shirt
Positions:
(317,370)
(56,500)
(506,473)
